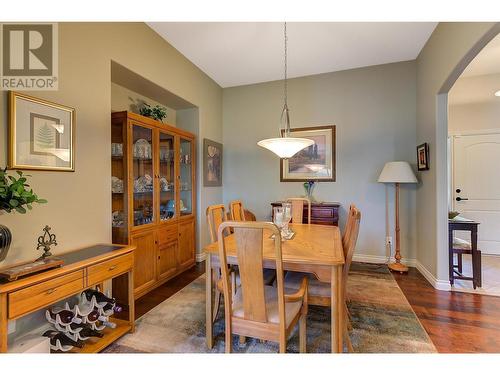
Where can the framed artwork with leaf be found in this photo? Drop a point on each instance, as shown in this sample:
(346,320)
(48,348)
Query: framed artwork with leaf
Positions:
(41,134)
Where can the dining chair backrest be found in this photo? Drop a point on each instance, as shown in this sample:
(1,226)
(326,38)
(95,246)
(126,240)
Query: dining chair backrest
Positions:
(351,244)
(237,211)
(298,209)
(216,215)
(249,240)
(348,225)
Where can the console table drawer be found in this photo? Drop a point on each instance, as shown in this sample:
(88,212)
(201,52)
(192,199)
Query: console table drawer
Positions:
(109,269)
(34,297)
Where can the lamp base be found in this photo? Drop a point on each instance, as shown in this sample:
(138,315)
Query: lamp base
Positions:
(398,267)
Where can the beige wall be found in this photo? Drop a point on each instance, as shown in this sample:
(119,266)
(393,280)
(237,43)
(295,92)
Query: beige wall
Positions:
(79,205)
(474,117)
(448,51)
(124,99)
(374,111)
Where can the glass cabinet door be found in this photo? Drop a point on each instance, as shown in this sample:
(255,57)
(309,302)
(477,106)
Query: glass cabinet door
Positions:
(119,196)
(143,175)
(167,176)
(186,177)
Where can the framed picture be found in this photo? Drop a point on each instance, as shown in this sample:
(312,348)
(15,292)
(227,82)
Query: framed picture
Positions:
(41,134)
(314,163)
(423,157)
(212,163)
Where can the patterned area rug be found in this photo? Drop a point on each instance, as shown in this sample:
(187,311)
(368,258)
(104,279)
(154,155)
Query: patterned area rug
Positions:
(382,320)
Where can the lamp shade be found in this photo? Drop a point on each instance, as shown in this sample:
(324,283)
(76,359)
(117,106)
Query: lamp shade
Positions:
(397,172)
(285,147)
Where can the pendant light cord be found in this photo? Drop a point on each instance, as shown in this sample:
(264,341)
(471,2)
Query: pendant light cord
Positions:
(284,112)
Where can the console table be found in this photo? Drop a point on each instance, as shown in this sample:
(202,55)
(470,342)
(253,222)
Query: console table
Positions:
(82,269)
(455,271)
(326,213)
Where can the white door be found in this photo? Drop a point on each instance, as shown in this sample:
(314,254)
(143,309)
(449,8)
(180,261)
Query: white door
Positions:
(476,185)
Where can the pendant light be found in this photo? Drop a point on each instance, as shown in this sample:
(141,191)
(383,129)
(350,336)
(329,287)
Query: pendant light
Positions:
(285,146)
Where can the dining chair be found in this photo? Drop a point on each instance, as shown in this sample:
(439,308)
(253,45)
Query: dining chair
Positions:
(298,209)
(256,309)
(237,211)
(216,215)
(320,292)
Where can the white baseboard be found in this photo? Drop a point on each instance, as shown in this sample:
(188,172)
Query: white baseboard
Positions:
(436,283)
(366,258)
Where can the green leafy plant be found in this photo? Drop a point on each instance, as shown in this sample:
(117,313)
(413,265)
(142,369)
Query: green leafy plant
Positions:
(16,194)
(157,112)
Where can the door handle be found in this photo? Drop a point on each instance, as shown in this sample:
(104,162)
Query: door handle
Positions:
(458,199)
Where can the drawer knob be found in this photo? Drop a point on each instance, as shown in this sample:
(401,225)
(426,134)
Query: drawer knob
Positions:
(111,268)
(50,291)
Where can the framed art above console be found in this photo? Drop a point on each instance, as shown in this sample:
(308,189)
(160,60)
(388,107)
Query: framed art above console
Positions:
(41,134)
(314,163)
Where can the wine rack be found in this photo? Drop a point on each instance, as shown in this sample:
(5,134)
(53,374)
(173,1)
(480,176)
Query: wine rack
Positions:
(74,326)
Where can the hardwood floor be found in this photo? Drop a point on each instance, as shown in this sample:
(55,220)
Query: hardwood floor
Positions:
(160,294)
(456,322)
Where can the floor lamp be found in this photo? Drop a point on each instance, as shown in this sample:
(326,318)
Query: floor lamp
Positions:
(397,172)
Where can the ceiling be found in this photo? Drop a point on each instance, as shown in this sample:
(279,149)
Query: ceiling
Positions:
(235,54)
(481,79)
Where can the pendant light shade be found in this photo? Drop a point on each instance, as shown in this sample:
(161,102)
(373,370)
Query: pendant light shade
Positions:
(285,146)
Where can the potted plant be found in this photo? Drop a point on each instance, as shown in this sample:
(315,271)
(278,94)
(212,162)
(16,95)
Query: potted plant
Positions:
(15,196)
(157,112)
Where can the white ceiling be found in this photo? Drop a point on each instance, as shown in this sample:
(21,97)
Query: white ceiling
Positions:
(481,79)
(236,54)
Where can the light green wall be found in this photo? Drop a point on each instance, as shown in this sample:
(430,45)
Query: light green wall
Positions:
(374,111)
(448,51)
(124,99)
(79,205)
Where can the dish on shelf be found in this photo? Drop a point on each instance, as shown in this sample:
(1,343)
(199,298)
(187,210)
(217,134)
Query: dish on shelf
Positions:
(143,184)
(142,149)
(182,208)
(118,219)
(116,185)
(116,149)
(164,185)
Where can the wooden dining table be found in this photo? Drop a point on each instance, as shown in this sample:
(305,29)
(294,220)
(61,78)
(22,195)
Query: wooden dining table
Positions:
(315,249)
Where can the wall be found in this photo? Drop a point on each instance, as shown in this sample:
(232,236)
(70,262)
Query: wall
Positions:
(473,117)
(374,111)
(124,99)
(449,50)
(79,205)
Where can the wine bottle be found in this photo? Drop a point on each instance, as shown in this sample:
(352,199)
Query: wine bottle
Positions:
(64,340)
(93,316)
(99,296)
(114,307)
(86,331)
(65,316)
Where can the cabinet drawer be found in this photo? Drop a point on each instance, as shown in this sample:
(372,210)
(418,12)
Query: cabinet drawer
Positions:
(167,234)
(34,297)
(109,269)
(323,212)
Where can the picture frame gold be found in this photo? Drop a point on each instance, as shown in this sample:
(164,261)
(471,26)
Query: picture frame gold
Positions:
(55,158)
(324,168)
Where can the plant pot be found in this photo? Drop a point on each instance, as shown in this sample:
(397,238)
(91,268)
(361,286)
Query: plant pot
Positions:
(5,240)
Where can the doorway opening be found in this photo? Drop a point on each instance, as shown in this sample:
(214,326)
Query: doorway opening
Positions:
(473,172)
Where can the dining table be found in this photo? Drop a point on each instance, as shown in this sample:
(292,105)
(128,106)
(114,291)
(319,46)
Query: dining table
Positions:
(314,249)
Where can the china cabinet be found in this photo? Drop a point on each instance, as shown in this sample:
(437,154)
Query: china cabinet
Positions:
(153,196)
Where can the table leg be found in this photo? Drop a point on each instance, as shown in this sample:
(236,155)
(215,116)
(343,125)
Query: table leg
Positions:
(208,297)
(3,323)
(131,300)
(337,310)
(450,256)
(475,268)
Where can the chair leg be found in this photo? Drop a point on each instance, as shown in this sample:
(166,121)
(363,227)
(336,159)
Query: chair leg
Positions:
(302,333)
(229,337)
(243,339)
(348,340)
(216,305)
(460,262)
(347,318)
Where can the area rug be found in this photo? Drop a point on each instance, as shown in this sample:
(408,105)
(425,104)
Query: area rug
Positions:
(382,320)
